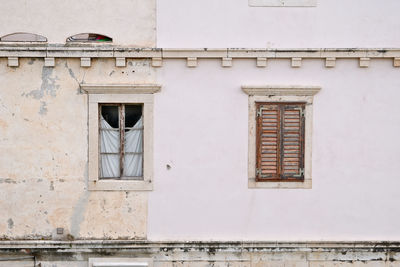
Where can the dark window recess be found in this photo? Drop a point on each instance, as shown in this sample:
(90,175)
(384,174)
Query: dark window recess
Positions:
(280,141)
(121,141)
(23,37)
(111,115)
(89,37)
(132,115)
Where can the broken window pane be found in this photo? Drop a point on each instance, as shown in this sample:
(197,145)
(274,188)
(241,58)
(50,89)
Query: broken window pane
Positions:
(89,37)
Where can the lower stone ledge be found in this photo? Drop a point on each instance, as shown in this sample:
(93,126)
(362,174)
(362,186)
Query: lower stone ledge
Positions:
(200,253)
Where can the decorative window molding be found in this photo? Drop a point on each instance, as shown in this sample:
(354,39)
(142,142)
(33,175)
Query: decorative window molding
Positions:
(125,94)
(278,90)
(283,3)
(120,262)
(121,88)
(281,94)
(23,37)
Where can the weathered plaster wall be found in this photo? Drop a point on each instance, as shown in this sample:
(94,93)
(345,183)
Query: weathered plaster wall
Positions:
(43,174)
(232,23)
(201,132)
(130,22)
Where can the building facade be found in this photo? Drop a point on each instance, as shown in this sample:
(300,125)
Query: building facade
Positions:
(188,133)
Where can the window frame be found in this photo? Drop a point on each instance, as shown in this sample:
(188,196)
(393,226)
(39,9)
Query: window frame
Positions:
(280,94)
(120,94)
(121,130)
(280,177)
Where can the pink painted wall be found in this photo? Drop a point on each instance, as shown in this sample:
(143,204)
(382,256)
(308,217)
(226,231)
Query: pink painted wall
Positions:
(201,125)
(201,132)
(232,23)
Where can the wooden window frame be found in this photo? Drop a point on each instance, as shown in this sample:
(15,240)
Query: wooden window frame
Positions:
(279,176)
(280,94)
(121,129)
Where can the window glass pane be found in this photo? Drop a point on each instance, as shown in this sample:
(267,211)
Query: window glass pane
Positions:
(132,114)
(133,165)
(110,114)
(109,138)
(109,142)
(133,159)
(109,166)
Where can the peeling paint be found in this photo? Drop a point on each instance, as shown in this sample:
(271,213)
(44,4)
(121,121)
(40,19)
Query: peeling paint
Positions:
(48,86)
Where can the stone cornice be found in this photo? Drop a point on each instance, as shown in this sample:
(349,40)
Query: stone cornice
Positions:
(119,53)
(201,245)
(105,51)
(281,90)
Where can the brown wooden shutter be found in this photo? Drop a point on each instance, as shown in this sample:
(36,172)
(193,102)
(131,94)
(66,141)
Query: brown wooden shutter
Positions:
(268,139)
(280,141)
(292,133)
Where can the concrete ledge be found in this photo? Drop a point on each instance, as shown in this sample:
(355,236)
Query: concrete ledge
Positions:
(120,88)
(306,184)
(124,185)
(93,51)
(202,253)
(273,245)
(279,90)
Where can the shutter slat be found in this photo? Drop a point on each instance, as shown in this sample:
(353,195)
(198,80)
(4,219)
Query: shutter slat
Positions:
(280,141)
(268,128)
(292,140)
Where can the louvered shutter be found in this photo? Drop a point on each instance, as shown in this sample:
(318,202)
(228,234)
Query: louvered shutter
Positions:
(280,141)
(268,139)
(292,133)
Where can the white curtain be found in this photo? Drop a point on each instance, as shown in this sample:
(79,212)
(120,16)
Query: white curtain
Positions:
(134,143)
(109,143)
(133,162)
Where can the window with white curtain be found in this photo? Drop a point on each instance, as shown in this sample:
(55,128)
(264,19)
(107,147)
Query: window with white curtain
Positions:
(121,141)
